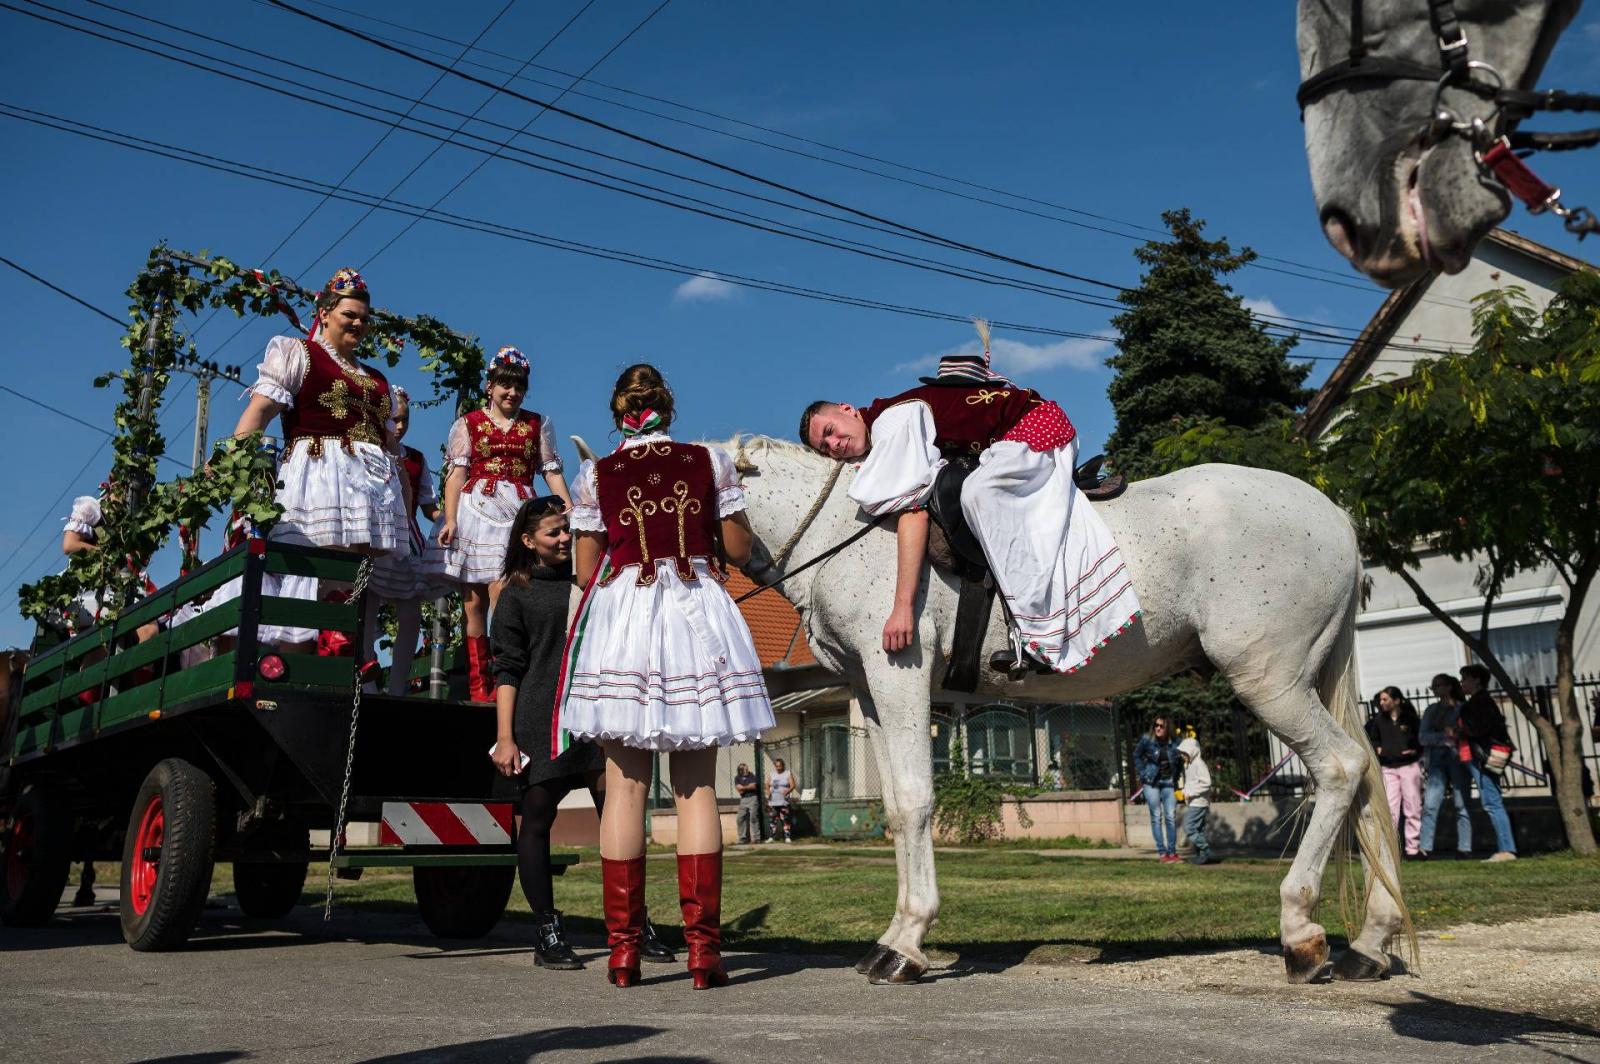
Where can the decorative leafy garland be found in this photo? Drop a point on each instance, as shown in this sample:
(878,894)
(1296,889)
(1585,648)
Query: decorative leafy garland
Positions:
(240,474)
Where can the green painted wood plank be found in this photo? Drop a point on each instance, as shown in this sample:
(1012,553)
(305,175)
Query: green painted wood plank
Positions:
(312,670)
(130,658)
(330,565)
(125,705)
(76,723)
(208,676)
(31,738)
(300,613)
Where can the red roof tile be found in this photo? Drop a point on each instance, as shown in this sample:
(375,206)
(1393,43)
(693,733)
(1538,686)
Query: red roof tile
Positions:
(776,626)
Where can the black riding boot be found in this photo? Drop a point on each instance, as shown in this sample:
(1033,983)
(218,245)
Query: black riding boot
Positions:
(651,948)
(551,949)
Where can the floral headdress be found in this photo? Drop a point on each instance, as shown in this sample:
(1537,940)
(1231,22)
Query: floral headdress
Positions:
(346,281)
(509,356)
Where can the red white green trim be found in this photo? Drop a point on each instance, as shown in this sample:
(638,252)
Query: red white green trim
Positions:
(560,738)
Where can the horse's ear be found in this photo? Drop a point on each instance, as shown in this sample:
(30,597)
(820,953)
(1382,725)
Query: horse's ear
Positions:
(583,448)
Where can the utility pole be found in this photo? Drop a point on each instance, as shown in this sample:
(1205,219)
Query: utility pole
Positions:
(203,373)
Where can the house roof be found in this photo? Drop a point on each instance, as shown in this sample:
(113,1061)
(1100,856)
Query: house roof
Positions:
(780,635)
(1358,360)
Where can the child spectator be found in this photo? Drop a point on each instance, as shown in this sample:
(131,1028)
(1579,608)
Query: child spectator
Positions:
(1197,794)
(1395,735)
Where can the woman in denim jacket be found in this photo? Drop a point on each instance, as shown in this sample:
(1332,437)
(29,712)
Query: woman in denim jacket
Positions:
(1158,762)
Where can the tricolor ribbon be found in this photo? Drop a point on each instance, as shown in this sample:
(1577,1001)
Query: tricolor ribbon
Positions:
(560,738)
(279,303)
(645,420)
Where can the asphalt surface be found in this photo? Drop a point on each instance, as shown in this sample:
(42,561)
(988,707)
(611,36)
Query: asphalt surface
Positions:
(374,986)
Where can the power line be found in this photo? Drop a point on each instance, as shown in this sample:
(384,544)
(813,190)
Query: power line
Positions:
(73,418)
(303,184)
(526,126)
(71,482)
(85,304)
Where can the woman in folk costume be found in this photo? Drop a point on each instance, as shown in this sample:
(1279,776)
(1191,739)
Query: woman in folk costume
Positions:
(399,577)
(1057,567)
(339,485)
(80,535)
(493,454)
(659,658)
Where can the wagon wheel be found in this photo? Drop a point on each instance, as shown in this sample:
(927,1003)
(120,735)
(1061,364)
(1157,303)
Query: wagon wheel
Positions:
(167,856)
(463,902)
(267,890)
(36,858)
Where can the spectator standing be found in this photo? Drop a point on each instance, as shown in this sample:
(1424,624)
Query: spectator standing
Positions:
(780,784)
(1482,728)
(1157,761)
(1440,736)
(748,787)
(1197,798)
(1395,734)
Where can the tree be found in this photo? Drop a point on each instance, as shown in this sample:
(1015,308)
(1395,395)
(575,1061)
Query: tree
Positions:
(1189,352)
(1492,456)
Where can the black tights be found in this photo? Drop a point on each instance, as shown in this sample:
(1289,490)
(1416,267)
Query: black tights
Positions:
(539,804)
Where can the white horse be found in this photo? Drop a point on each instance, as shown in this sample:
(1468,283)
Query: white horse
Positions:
(1254,572)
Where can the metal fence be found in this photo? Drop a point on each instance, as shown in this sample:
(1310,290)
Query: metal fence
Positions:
(1529,772)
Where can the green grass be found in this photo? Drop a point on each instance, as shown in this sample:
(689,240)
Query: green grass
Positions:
(1002,904)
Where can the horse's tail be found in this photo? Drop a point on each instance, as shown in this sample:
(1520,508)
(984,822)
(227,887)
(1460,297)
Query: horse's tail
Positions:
(1374,836)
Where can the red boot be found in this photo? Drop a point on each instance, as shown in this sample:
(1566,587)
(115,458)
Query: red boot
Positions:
(480,681)
(622,894)
(700,896)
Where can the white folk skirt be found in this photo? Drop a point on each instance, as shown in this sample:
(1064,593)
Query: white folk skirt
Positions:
(335,499)
(1052,555)
(399,575)
(667,666)
(483,529)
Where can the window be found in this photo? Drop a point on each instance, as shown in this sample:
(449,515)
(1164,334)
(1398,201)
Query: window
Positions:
(1000,743)
(1528,651)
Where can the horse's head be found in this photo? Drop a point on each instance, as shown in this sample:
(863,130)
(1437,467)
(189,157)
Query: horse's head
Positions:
(1392,200)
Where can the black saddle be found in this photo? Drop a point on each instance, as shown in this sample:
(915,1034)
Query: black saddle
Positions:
(954,549)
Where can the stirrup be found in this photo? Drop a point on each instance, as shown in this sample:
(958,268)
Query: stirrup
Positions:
(1013,661)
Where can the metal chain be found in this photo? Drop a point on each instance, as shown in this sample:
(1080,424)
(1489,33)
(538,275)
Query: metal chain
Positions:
(363,575)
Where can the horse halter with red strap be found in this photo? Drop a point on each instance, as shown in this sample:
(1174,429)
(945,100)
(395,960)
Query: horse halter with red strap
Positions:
(1499,148)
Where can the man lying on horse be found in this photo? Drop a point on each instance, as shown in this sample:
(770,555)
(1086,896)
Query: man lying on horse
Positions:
(1063,581)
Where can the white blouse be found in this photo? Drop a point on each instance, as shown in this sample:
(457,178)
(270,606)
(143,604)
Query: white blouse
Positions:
(899,471)
(586,516)
(458,446)
(283,370)
(85,516)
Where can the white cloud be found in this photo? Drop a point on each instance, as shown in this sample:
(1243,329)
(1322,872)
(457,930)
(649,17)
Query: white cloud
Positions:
(1019,358)
(704,288)
(1263,308)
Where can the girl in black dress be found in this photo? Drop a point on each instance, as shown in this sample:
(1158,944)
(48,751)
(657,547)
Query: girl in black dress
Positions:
(528,633)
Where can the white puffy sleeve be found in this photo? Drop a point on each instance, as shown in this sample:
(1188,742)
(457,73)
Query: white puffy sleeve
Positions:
(730,493)
(282,370)
(85,515)
(427,494)
(549,457)
(899,471)
(458,445)
(585,515)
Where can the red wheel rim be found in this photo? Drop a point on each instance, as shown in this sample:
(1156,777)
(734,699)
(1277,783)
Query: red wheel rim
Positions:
(142,871)
(19,853)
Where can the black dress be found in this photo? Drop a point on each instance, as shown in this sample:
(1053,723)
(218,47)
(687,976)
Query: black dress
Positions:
(528,635)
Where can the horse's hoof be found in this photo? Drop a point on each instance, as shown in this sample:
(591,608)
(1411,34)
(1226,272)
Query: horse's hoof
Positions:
(1356,967)
(870,961)
(1307,962)
(895,968)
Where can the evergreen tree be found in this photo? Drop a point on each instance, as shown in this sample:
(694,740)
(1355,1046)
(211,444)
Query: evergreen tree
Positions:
(1190,352)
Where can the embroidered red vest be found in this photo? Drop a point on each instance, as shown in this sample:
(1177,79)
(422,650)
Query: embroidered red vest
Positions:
(659,500)
(965,419)
(336,405)
(413,466)
(511,454)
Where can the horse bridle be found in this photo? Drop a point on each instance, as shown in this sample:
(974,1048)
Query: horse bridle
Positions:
(800,530)
(1498,147)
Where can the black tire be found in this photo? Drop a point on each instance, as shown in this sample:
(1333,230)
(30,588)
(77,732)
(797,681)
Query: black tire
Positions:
(463,902)
(164,886)
(35,858)
(267,890)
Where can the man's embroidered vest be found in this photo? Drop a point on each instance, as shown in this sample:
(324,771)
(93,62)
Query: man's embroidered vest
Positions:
(335,404)
(509,454)
(966,419)
(659,500)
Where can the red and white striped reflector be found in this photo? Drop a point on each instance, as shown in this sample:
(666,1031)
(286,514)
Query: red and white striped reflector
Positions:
(446,824)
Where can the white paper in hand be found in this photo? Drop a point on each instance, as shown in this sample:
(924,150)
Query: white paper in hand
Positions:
(522,758)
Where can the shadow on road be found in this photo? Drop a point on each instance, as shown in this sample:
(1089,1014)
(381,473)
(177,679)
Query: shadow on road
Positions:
(519,1047)
(1432,1019)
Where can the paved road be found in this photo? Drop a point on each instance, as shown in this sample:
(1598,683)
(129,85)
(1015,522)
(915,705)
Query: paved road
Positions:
(374,987)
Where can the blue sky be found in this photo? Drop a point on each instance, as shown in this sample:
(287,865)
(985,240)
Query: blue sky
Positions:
(1119,111)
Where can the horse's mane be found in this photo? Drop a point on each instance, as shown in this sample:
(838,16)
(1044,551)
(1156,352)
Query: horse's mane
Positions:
(745,443)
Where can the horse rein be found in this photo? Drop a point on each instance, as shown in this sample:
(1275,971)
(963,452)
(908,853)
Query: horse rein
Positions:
(805,523)
(1499,151)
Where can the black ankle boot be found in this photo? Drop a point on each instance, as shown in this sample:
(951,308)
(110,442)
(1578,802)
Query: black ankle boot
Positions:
(651,948)
(551,949)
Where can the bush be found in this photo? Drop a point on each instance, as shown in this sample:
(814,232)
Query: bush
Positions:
(967,809)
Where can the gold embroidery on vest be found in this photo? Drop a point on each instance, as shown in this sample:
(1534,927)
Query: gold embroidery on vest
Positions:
(660,450)
(985,396)
(638,509)
(681,504)
(340,402)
